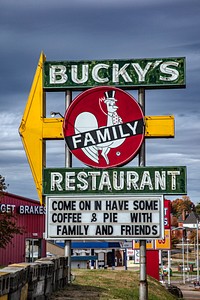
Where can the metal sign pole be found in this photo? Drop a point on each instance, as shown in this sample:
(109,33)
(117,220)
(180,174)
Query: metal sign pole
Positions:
(68,164)
(143,291)
(197,250)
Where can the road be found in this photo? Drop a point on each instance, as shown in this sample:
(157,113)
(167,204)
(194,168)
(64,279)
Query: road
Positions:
(189,292)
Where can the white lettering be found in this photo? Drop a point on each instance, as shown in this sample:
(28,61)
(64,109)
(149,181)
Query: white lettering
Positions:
(173,178)
(69,181)
(132,179)
(80,176)
(134,127)
(118,182)
(105,181)
(160,180)
(76,139)
(8,208)
(94,175)
(141,73)
(164,68)
(56,179)
(122,134)
(146,181)
(103,136)
(74,74)
(88,139)
(57,74)
(120,72)
(95,73)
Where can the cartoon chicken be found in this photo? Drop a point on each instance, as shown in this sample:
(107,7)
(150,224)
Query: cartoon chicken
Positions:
(113,118)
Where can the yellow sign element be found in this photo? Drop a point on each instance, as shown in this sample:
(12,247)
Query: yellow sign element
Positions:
(35,128)
(159,126)
(149,244)
(164,244)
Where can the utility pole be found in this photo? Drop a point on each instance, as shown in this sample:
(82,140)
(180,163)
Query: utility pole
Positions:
(183,257)
(197,250)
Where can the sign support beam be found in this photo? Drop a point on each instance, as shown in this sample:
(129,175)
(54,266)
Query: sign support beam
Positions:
(143,290)
(68,164)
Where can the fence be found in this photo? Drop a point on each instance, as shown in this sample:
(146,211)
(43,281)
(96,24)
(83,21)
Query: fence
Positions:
(33,281)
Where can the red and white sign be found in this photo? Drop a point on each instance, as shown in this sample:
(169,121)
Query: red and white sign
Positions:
(104,127)
(167,214)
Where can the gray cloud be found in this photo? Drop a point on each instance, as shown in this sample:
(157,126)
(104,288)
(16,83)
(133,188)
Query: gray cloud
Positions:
(109,29)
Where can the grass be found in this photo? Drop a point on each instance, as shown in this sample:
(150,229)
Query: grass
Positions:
(112,284)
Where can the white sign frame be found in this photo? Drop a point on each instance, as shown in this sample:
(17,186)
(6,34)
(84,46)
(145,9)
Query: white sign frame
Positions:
(104,217)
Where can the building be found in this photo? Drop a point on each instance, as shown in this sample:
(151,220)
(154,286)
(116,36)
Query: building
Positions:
(31,245)
(90,254)
(31,215)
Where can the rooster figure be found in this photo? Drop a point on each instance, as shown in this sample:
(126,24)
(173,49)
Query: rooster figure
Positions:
(112,119)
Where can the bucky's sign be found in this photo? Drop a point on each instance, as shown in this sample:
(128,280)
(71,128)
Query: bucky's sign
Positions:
(104,127)
(148,72)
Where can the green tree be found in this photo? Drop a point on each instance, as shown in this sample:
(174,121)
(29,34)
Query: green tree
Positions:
(3,186)
(197,208)
(180,205)
(8,226)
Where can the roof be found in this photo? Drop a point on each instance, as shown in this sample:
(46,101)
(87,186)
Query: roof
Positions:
(84,257)
(180,218)
(192,218)
(13,196)
(91,245)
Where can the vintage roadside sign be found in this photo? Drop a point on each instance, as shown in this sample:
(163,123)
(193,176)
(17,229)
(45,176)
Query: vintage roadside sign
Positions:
(104,127)
(139,180)
(35,129)
(147,72)
(104,217)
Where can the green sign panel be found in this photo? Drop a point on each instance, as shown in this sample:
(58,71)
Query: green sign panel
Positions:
(140,180)
(132,73)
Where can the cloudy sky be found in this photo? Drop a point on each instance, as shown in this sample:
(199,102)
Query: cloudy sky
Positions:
(97,30)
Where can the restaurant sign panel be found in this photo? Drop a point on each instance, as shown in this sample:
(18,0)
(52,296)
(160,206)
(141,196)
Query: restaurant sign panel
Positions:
(139,180)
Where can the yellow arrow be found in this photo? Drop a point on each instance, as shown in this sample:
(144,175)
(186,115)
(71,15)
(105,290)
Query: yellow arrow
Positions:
(31,128)
(35,129)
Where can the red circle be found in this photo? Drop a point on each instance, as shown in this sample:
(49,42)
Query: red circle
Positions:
(92,116)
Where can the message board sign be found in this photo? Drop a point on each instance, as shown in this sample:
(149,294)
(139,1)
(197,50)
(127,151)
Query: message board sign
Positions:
(148,72)
(116,217)
(139,180)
